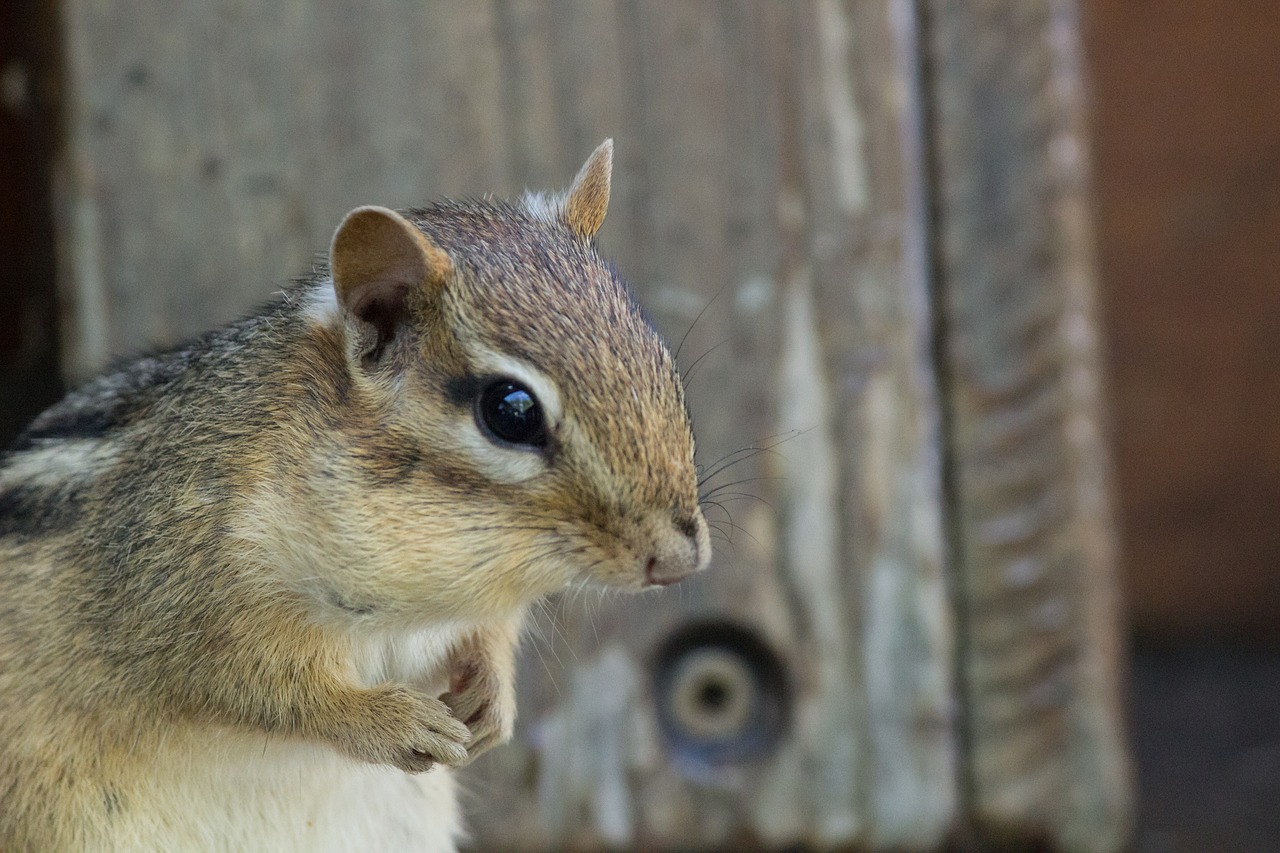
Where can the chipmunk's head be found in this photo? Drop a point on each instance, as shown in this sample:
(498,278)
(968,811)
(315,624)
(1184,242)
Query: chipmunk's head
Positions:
(523,425)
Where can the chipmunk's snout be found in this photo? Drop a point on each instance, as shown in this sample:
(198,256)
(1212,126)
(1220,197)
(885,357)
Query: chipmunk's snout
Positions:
(681,547)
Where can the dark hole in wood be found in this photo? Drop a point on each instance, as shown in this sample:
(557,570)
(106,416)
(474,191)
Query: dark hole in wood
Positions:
(714,695)
(722,697)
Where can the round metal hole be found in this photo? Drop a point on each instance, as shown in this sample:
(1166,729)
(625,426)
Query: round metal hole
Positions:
(721,694)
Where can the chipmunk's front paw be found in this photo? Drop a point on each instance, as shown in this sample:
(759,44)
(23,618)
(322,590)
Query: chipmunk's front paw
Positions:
(482,699)
(406,729)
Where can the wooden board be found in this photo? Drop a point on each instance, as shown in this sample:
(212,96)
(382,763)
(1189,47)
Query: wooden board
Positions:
(775,207)
(1032,532)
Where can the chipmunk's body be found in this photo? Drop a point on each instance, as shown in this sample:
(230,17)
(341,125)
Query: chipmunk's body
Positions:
(250,589)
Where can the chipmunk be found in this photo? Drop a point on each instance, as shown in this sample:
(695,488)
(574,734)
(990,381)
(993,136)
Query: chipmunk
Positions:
(253,588)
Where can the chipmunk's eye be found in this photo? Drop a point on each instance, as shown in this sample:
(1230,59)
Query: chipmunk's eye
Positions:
(509,412)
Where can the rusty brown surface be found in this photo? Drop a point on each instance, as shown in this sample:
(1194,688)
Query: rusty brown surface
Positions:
(1186,131)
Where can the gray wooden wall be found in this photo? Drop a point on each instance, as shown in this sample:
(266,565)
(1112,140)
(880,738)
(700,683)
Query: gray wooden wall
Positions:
(876,211)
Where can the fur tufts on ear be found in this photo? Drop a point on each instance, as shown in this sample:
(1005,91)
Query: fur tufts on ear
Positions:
(587,200)
(377,258)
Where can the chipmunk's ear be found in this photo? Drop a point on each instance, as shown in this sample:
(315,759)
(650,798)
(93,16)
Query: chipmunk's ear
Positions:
(377,257)
(587,200)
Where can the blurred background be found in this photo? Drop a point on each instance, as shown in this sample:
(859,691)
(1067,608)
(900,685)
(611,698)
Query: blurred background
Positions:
(1186,152)
(1184,131)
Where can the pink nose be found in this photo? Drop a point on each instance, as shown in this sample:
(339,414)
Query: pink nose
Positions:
(660,576)
(662,573)
(678,554)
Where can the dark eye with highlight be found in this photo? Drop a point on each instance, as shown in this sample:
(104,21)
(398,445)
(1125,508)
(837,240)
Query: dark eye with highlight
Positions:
(509,412)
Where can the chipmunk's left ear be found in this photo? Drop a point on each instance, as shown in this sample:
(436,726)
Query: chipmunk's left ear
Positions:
(587,200)
(377,258)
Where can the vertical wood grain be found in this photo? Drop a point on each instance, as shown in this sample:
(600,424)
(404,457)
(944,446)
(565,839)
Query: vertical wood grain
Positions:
(782,192)
(1035,558)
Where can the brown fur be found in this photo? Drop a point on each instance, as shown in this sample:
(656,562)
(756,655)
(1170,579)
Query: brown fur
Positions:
(213,539)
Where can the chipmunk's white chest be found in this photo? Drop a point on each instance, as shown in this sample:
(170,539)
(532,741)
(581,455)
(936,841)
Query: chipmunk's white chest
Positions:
(238,792)
(419,657)
(219,789)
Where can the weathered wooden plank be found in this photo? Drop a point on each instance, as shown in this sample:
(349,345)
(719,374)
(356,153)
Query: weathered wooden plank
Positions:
(604,779)
(1039,624)
(866,255)
(782,190)
(212,147)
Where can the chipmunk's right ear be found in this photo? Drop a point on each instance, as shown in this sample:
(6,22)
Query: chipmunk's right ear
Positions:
(377,258)
(588,198)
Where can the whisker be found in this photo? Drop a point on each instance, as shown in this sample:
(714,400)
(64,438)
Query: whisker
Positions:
(543,644)
(718,505)
(735,527)
(703,497)
(680,346)
(732,547)
(731,497)
(688,374)
(717,524)
(728,461)
(772,440)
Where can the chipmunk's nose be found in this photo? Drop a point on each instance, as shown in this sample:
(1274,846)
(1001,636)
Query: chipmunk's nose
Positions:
(682,546)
